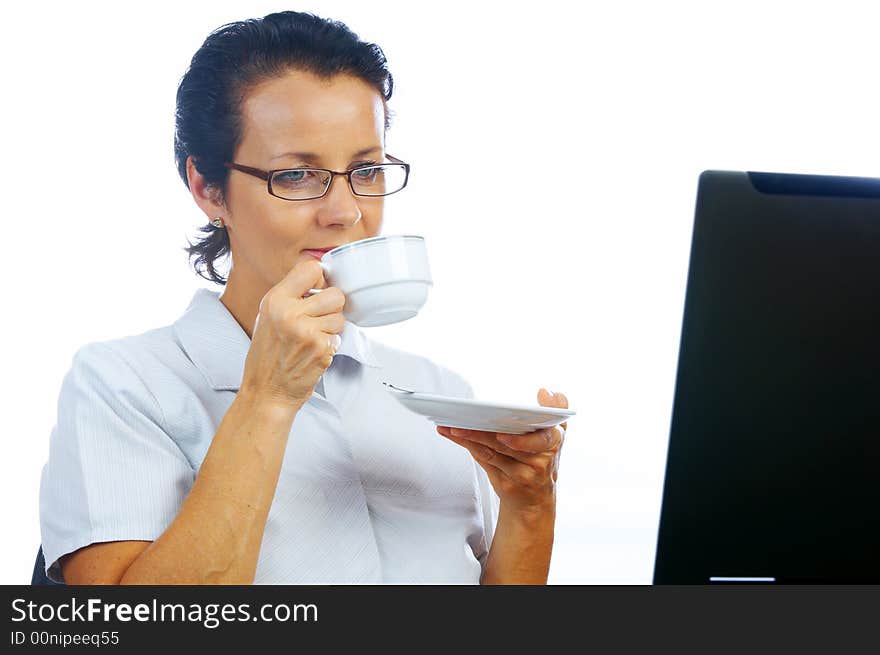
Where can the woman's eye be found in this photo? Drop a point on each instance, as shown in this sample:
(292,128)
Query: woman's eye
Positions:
(366,173)
(291,177)
(299,180)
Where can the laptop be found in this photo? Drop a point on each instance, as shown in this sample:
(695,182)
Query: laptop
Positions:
(773,466)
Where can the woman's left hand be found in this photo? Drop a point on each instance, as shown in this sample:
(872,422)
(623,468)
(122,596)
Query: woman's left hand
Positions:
(521,467)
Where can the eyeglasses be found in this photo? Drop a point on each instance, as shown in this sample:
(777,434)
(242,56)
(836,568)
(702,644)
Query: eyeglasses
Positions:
(371,180)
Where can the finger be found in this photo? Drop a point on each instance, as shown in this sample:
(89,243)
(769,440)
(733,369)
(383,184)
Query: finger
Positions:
(330,323)
(534,442)
(493,440)
(531,442)
(548,398)
(476,436)
(328,301)
(515,470)
(557,399)
(301,278)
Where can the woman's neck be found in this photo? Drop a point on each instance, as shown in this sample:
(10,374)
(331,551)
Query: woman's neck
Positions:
(241,296)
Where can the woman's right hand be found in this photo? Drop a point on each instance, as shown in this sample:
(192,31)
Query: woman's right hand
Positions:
(294,338)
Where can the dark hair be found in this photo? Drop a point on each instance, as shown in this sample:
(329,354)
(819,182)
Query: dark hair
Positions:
(233,59)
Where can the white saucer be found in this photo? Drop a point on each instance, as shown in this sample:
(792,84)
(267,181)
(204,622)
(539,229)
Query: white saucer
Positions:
(479,415)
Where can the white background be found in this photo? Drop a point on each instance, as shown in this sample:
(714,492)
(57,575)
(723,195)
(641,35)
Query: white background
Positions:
(574,281)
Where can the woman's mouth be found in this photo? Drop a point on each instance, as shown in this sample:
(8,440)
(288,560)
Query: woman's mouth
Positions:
(317,253)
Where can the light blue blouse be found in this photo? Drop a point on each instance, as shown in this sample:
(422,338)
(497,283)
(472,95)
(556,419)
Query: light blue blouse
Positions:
(368,491)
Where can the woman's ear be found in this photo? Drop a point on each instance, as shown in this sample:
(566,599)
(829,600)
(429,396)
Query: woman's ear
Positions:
(207,197)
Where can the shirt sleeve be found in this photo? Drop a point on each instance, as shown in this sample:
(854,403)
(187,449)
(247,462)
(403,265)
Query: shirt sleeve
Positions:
(489,501)
(490,504)
(113,472)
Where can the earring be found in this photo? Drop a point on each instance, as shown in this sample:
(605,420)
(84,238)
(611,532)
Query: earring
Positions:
(217,222)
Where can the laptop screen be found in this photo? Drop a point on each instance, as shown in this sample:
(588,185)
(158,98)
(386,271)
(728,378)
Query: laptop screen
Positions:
(773,467)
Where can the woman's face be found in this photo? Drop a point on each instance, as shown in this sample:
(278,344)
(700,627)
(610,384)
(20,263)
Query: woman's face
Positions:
(288,122)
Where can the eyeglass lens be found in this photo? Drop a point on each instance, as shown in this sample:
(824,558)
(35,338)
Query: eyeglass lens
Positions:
(306,183)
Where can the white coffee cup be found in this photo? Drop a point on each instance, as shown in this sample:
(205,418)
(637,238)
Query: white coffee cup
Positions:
(385,279)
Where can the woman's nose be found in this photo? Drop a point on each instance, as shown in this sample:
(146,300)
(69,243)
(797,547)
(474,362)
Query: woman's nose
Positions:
(339,205)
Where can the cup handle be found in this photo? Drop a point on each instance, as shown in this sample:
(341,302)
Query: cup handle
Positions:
(311,292)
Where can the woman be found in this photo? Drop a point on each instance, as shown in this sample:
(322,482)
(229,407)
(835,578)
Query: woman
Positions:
(252,441)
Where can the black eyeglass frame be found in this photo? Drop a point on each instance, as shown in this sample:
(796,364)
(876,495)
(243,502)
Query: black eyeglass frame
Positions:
(267,176)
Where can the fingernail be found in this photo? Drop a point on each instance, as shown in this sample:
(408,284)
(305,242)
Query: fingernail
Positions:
(456,432)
